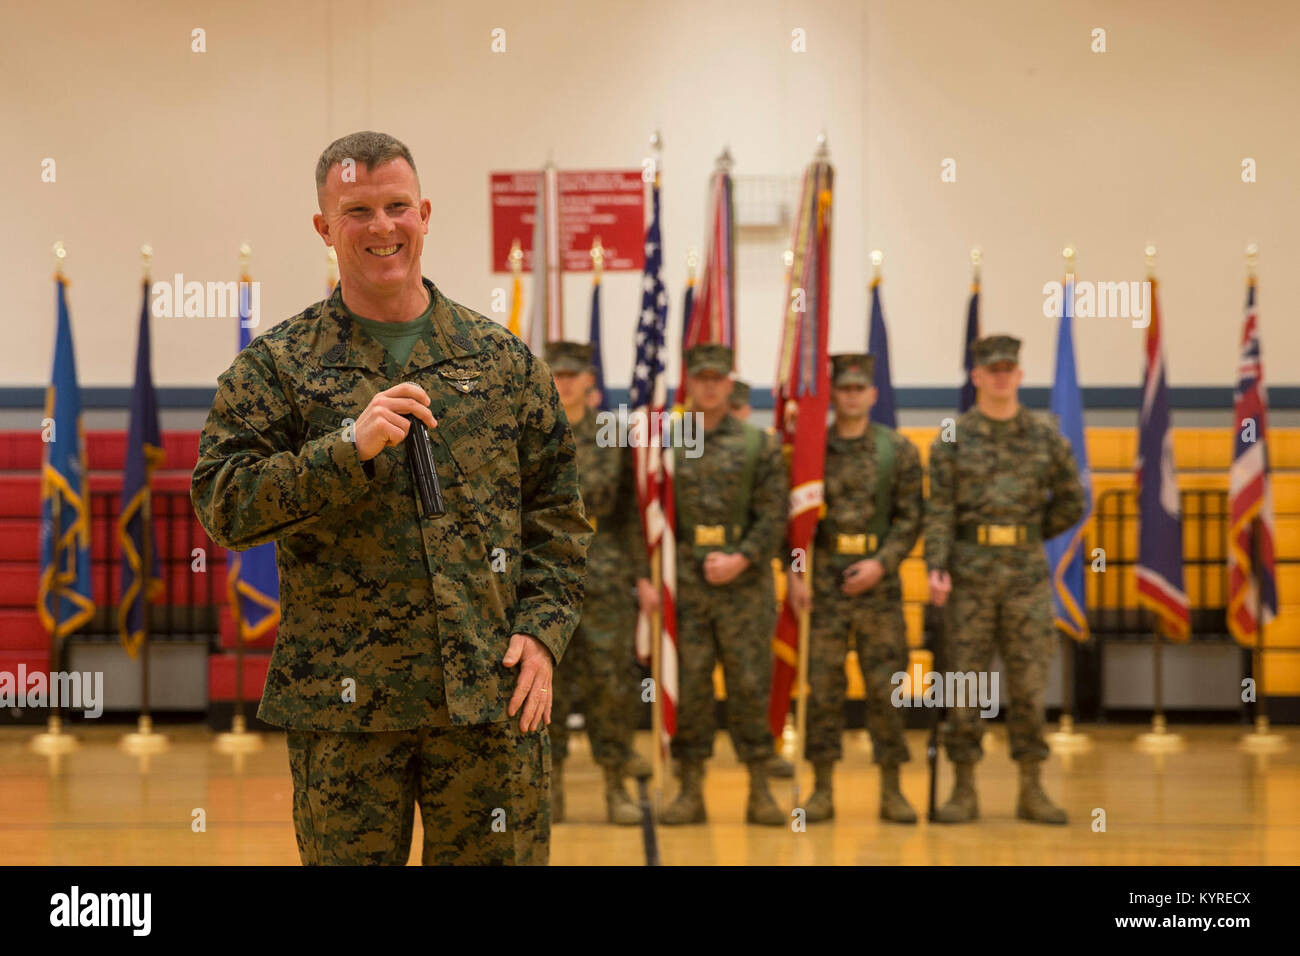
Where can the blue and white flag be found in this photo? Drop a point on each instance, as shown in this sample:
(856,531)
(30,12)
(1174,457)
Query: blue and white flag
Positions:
(1065,557)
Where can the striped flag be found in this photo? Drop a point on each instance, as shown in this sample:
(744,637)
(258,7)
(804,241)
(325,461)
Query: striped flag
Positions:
(546,323)
(803,384)
(654,461)
(1252,578)
(967,397)
(252,579)
(597,362)
(1160,519)
(882,413)
(1065,551)
(144,453)
(64,590)
(713,306)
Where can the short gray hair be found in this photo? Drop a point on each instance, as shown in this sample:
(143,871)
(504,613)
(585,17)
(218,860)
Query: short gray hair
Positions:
(367,148)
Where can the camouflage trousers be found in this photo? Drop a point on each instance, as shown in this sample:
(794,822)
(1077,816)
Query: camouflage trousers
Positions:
(873,624)
(1003,604)
(483,792)
(599,666)
(734,624)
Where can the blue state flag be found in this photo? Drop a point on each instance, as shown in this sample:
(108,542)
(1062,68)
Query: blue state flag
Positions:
(882,413)
(64,597)
(967,396)
(1065,558)
(597,362)
(144,453)
(253,582)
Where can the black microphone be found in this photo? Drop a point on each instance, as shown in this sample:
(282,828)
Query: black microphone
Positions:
(419,453)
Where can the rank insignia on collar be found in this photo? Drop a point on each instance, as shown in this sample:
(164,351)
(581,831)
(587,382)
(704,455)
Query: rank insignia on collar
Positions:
(462,340)
(336,353)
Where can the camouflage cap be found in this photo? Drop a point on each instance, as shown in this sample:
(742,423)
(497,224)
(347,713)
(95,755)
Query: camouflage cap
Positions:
(996,348)
(853,368)
(739,394)
(709,357)
(568,356)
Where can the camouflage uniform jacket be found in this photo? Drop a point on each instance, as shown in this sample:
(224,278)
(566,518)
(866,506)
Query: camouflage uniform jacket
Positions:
(705,487)
(608,478)
(1021,471)
(419,612)
(850,490)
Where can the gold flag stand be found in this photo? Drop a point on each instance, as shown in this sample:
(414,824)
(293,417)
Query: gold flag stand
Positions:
(1159,740)
(145,740)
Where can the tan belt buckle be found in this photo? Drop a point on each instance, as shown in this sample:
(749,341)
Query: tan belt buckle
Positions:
(851,543)
(1001,535)
(710,535)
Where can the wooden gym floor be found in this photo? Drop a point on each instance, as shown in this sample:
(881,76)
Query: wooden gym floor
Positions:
(1210,804)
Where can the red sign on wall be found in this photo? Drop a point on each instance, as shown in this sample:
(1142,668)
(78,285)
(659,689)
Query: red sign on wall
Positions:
(609,203)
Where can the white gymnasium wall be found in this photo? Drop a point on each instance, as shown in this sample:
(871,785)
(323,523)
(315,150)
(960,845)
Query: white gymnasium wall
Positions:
(1053,143)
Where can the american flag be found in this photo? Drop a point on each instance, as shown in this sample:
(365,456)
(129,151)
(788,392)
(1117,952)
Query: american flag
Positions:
(1160,519)
(654,463)
(1251,588)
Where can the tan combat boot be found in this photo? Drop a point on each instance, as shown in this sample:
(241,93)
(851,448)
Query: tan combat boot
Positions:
(761,808)
(961,806)
(689,805)
(619,807)
(820,806)
(893,805)
(1033,804)
(557,791)
(637,766)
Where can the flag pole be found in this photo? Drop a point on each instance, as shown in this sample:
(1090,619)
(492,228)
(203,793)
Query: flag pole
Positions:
(801,684)
(1261,740)
(54,742)
(1066,739)
(144,741)
(238,741)
(1158,740)
(656,675)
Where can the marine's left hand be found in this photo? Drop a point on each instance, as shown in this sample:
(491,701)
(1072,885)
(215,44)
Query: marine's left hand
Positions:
(721,568)
(533,688)
(862,576)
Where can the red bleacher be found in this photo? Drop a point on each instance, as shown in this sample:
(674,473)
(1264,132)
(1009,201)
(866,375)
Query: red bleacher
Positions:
(22,638)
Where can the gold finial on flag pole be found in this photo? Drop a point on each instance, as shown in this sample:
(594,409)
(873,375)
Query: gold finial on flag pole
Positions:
(1149,255)
(823,147)
(788,258)
(245,254)
(976,257)
(877,257)
(59,255)
(597,258)
(692,262)
(1252,259)
(724,161)
(1069,253)
(516,258)
(146,256)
